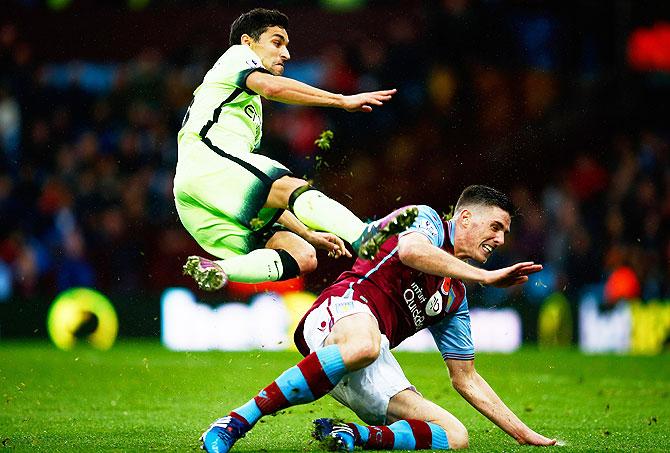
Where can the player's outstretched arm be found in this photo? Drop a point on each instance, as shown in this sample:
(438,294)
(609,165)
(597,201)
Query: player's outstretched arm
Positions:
(290,91)
(482,397)
(416,251)
(516,274)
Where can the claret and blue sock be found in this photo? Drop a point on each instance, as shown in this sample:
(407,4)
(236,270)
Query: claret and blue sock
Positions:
(309,380)
(401,435)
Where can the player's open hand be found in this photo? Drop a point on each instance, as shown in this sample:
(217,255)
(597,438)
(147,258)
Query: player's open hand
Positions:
(512,275)
(327,241)
(363,102)
(533,438)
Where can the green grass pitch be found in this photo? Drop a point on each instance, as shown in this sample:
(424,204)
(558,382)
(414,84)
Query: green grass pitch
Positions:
(140,397)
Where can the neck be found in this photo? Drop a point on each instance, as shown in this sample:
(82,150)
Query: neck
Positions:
(459,251)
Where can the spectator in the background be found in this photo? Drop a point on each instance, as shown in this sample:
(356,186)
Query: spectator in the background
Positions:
(9,207)
(73,270)
(10,126)
(531,226)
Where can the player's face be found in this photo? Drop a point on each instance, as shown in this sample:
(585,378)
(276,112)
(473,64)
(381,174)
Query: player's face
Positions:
(272,48)
(483,230)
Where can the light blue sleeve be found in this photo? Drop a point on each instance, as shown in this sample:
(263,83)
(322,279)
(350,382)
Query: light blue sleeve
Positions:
(429,224)
(453,337)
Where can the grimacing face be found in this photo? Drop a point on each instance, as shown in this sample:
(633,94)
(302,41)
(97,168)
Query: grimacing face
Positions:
(480,230)
(271,47)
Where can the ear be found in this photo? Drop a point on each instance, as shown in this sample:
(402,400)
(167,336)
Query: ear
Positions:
(465,217)
(246,40)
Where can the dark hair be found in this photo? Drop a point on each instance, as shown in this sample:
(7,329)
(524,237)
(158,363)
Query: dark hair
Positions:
(255,22)
(486,196)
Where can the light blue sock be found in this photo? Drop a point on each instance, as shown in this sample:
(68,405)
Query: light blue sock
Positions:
(440,440)
(313,377)
(404,437)
(363,433)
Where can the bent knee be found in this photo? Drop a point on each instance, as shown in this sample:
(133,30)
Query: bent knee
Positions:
(457,435)
(306,258)
(369,352)
(362,354)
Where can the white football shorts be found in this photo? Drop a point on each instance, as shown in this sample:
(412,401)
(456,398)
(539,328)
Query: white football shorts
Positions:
(367,391)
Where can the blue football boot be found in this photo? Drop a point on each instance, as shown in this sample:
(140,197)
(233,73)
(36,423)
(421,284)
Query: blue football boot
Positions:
(333,435)
(222,434)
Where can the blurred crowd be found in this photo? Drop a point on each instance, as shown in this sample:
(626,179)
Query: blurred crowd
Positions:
(522,101)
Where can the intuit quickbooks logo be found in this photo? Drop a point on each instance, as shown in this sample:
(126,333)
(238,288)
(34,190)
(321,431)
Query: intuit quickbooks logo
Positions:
(412,296)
